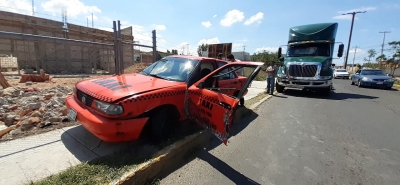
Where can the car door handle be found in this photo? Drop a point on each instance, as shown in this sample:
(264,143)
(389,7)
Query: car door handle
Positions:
(225,105)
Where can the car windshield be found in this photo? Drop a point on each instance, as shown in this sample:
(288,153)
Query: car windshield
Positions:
(373,72)
(341,70)
(308,50)
(174,69)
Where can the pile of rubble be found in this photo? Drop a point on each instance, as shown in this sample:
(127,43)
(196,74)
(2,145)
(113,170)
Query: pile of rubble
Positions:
(27,109)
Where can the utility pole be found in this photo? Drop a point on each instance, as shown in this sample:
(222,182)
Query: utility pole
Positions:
(33,8)
(351,32)
(355,51)
(383,44)
(92,21)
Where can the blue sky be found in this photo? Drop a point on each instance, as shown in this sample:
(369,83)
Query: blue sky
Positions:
(255,24)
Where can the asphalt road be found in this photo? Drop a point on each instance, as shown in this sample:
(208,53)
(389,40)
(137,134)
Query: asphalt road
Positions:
(302,138)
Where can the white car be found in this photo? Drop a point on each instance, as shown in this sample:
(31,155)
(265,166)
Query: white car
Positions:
(341,73)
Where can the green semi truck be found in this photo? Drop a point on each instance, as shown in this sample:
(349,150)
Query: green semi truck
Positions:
(308,58)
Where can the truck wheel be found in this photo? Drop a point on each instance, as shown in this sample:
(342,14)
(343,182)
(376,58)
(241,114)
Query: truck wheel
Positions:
(359,83)
(161,124)
(279,88)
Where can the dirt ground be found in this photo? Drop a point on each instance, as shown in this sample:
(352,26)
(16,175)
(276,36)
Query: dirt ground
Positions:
(56,81)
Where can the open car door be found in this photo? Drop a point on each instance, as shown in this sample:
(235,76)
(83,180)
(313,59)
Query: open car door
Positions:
(206,105)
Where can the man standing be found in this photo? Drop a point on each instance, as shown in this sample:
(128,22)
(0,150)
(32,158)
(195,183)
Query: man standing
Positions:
(231,58)
(271,74)
(219,56)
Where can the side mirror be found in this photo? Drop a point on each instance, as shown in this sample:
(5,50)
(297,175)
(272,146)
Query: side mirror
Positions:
(340,51)
(279,53)
(387,74)
(333,65)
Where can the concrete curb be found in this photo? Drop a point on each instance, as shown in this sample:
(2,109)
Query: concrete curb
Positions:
(175,155)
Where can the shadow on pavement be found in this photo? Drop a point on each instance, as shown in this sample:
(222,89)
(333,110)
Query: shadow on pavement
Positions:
(85,146)
(332,96)
(225,169)
(221,166)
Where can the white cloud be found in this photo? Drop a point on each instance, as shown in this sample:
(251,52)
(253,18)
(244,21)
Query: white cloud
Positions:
(255,18)
(17,6)
(270,49)
(214,40)
(206,24)
(215,16)
(74,7)
(243,40)
(344,17)
(349,16)
(232,17)
(159,27)
(358,9)
(359,51)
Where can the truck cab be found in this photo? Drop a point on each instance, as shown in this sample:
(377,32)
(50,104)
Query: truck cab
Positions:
(308,59)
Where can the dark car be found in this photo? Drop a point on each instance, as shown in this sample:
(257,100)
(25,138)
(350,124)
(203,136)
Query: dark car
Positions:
(372,78)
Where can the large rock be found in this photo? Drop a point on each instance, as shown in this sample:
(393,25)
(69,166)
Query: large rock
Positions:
(11,91)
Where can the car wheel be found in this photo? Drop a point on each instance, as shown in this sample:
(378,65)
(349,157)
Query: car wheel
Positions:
(352,82)
(161,124)
(359,83)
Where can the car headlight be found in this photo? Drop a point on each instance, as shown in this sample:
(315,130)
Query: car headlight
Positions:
(108,108)
(366,79)
(281,75)
(389,80)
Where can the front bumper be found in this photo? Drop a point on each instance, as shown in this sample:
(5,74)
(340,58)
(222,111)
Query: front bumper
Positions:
(377,84)
(342,76)
(302,83)
(109,130)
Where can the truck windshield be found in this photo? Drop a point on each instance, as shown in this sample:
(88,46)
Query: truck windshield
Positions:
(309,50)
(174,69)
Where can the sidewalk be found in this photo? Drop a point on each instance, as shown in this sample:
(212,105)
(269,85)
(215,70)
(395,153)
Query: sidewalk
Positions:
(36,157)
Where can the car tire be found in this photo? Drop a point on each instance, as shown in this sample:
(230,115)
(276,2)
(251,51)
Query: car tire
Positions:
(388,88)
(359,83)
(161,124)
(279,88)
(352,82)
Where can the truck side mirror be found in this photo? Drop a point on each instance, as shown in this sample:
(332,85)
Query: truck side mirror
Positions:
(340,52)
(279,52)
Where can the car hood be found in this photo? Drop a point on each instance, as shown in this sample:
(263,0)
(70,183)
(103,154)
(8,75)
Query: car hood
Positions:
(377,77)
(112,88)
(306,59)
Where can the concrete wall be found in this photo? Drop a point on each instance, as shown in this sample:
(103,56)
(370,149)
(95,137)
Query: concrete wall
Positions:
(56,56)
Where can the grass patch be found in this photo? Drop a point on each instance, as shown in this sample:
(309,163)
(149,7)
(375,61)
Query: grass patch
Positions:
(109,168)
(254,100)
(98,171)
(261,76)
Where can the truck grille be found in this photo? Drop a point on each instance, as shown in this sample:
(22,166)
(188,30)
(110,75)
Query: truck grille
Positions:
(88,99)
(300,71)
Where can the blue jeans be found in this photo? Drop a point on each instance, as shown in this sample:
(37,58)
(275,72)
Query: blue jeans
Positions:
(270,85)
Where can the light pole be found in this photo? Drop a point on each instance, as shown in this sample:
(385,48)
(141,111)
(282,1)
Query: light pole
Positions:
(351,32)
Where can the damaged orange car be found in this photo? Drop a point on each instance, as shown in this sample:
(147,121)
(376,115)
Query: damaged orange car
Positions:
(176,88)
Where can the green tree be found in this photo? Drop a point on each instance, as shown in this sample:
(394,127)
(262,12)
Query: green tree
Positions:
(394,62)
(201,48)
(266,57)
(371,54)
(381,58)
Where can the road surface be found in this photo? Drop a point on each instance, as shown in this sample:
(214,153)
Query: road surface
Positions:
(301,138)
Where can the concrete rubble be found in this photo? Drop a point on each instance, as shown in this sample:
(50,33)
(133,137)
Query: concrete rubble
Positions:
(26,109)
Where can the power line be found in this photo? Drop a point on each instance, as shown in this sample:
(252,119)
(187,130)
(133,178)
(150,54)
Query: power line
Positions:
(351,32)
